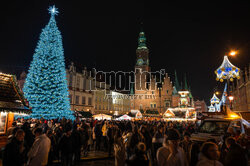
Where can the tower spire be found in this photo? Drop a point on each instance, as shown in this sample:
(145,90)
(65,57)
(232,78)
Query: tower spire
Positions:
(176,83)
(142,40)
(185,82)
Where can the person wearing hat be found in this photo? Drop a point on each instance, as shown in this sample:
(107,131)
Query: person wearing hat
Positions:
(171,154)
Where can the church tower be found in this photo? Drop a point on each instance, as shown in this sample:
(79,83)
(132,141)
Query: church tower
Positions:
(142,65)
(142,60)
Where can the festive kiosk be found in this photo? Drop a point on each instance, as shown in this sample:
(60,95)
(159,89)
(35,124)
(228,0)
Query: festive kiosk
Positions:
(11,103)
(102,117)
(183,112)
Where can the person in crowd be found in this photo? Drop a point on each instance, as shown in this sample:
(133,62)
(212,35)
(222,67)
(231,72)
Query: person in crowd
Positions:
(104,138)
(84,133)
(186,145)
(157,140)
(147,139)
(98,136)
(236,154)
(76,144)
(171,154)
(194,153)
(209,155)
(66,148)
(53,149)
(110,138)
(14,153)
(140,157)
(119,149)
(11,129)
(29,137)
(38,154)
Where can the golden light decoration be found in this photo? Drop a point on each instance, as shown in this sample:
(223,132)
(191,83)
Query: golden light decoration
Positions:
(215,99)
(227,71)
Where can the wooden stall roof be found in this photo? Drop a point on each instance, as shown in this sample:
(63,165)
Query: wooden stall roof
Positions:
(11,98)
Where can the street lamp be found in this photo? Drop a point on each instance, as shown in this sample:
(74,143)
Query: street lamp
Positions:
(232,53)
(231,98)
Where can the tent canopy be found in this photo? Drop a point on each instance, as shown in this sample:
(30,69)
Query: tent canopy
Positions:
(102,117)
(124,117)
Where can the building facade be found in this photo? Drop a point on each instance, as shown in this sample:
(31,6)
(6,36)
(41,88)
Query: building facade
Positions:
(241,91)
(80,84)
(200,106)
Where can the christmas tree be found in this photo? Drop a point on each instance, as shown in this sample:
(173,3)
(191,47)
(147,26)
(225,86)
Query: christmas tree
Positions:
(45,87)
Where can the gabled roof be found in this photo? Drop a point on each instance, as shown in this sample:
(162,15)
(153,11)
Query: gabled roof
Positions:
(11,98)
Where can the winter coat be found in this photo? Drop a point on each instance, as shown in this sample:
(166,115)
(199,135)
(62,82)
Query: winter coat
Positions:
(236,156)
(12,154)
(119,152)
(138,159)
(204,161)
(38,154)
(66,144)
(164,158)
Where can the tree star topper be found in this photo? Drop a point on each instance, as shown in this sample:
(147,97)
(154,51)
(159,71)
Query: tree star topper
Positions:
(53,10)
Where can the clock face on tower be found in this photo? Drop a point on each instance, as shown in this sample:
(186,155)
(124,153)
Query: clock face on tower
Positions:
(140,62)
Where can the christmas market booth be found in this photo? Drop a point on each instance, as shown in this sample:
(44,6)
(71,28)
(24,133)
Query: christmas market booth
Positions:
(124,117)
(102,117)
(12,103)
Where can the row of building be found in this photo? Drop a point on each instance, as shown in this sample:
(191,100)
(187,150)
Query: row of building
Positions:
(148,91)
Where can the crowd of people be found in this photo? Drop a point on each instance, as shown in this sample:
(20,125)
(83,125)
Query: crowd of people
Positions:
(147,143)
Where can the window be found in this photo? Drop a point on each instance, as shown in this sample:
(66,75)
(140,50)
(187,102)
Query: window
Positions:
(167,91)
(167,104)
(83,100)
(140,106)
(153,92)
(90,101)
(78,82)
(77,99)
(84,83)
(99,107)
(153,105)
(70,80)
(70,99)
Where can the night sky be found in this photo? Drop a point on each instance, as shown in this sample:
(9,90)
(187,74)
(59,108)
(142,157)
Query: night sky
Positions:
(188,38)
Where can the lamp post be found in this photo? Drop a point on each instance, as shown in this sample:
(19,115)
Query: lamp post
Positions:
(159,88)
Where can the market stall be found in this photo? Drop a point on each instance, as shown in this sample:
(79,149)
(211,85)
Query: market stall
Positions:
(102,117)
(12,103)
(124,117)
